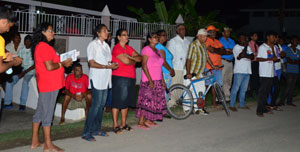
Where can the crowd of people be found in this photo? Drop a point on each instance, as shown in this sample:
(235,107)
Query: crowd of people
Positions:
(112,72)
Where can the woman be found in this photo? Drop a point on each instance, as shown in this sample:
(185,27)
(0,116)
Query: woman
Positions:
(168,71)
(123,80)
(151,104)
(50,78)
(99,58)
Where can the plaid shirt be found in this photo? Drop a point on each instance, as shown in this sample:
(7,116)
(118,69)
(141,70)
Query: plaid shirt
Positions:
(27,59)
(198,56)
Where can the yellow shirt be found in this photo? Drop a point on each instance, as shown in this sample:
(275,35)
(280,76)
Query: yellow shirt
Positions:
(2,47)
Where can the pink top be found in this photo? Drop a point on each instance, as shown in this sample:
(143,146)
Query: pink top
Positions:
(154,64)
(254,48)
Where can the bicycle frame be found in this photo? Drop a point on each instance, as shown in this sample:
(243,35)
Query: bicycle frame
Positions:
(212,80)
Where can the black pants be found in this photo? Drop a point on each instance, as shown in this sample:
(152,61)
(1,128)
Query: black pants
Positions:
(275,92)
(291,79)
(264,91)
(254,78)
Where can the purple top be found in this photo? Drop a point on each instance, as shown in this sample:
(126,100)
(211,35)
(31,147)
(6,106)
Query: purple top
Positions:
(154,64)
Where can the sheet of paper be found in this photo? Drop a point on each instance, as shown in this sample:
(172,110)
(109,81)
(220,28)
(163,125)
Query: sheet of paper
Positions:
(70,54)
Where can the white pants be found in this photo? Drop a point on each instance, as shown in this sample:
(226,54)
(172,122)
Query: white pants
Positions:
(199,87)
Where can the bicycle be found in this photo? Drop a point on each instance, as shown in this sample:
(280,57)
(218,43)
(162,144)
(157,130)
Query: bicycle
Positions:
(183,96)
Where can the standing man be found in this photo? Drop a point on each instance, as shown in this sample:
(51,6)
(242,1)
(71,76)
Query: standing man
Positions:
(266,58)
(242,70)
(227,72)
(178,46)
(215,50)
(195,63)
(292,71)
(254,78)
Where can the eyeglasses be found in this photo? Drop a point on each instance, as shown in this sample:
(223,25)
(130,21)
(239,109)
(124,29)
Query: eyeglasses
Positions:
(50,31)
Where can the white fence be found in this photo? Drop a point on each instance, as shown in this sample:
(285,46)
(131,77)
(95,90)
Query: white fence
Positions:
(83,26)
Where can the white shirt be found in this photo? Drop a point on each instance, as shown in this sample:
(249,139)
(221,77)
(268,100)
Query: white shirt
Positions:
(11,48)
(242,65)
(100,53)
(266,68)
(179,48)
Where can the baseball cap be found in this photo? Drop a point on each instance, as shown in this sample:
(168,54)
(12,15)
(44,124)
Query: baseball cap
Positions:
(202,32)
(211,28)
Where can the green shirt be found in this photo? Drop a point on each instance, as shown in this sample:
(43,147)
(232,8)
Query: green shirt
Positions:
(198,56)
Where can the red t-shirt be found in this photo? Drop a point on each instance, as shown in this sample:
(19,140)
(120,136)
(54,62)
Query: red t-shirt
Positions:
(124,70)
(47,81)
(77,85)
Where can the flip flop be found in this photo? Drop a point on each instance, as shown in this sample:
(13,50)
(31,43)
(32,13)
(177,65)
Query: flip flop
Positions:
(151,125)
(117,130)
(142,127)
(100,133)
(89,138)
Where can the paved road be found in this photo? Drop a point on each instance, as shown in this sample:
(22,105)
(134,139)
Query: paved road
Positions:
(242,132)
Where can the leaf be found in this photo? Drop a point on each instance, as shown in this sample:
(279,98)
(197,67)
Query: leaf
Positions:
(161,11)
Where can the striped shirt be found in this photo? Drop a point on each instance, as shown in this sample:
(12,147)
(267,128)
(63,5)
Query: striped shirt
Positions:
(198,56)
(292,68)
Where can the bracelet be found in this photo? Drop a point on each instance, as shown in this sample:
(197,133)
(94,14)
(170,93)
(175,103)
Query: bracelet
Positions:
(59,65)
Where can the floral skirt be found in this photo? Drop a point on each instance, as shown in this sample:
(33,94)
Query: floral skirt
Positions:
(151,101)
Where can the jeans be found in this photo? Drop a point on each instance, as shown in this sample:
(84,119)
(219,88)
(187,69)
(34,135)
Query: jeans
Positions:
(217,75)
(94,118)
(240,82)
(24,92)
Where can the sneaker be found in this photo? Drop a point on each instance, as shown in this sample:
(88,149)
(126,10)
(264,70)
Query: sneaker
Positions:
(10,106)
(203,112)
(22,108)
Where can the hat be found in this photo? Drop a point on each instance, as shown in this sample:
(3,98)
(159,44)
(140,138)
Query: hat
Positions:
(211,28)
(201,32)
(227,29)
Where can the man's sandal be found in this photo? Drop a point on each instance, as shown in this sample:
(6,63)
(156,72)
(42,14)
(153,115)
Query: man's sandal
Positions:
(126,127)
(117,130)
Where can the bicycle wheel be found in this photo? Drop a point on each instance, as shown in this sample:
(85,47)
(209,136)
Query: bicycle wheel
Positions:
(179,101)
(221,97)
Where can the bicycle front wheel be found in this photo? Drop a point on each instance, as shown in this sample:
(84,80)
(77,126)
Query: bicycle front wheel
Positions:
(221,97)
(179,101)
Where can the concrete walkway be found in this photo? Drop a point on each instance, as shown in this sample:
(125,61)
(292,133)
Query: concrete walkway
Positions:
(243,131)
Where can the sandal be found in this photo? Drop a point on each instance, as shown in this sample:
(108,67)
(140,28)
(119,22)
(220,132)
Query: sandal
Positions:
(277,108)
(100,133)
(89,138)
(118,130)
(126,127)
(151,124)
(142,127)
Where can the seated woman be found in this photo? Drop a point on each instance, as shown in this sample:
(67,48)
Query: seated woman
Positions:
(77,94)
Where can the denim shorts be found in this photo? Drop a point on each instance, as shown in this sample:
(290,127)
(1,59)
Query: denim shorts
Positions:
(217,75)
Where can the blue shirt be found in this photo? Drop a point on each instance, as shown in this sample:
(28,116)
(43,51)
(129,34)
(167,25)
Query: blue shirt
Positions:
(284,48)
(292,68)
(227,45)
(168,56)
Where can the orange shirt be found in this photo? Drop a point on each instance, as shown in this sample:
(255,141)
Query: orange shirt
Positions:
(215,58)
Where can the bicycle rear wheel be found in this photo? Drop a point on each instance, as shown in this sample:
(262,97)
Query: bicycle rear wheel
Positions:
(221,97)
(179,101)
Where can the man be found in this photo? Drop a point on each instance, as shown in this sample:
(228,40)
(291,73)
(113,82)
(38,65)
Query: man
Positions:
(292,71)
(77,94)
(178,46)
(27,72)
(215,50)
(242,70)
(6,22)
(228,44)
(195,63)
(254,78)
(266,58)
